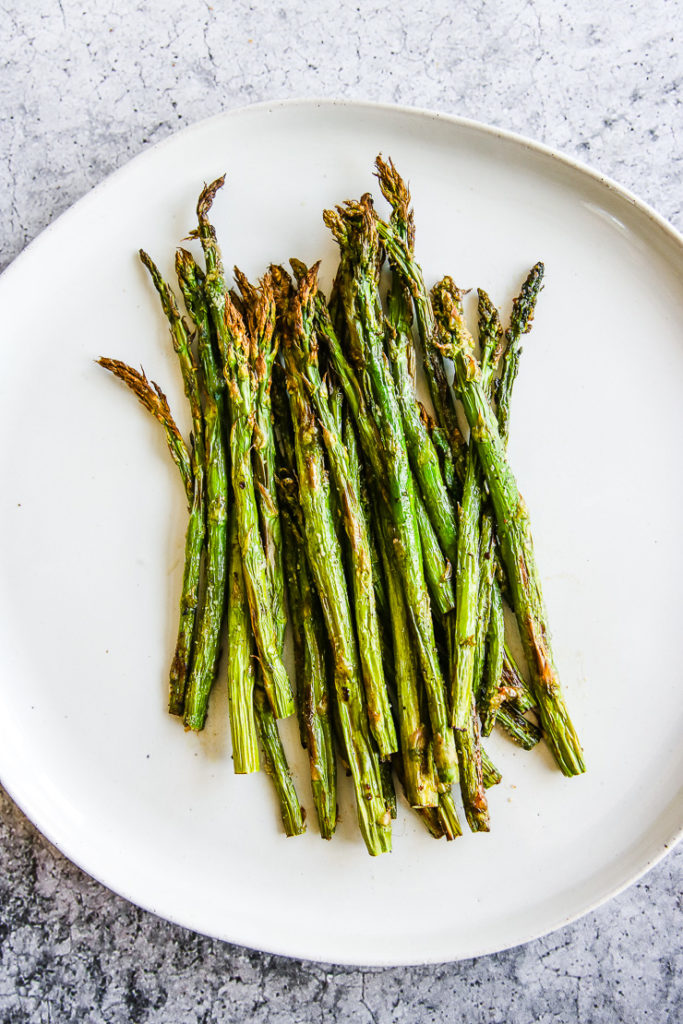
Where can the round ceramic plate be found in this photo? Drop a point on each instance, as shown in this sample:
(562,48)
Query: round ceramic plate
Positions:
(92,518)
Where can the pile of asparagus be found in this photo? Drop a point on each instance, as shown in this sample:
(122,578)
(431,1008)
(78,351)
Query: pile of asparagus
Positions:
(320,490)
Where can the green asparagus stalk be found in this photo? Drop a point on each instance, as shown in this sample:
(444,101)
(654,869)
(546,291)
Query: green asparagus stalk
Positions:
(441,820)
(275,764)
(513,681)
(448,816)
(241,676)
(487,582)
(468,743)
(398,240)
(490,331)
(489,772)
(471,773)
(308,628)
(325,561)
(521,320)
(473,604)
(235,348)
(192,280)
(515,698)
(424,458)
(388,788)
(208,640)
(437,567)
(312,676)
(249,709)
(514,534)
(264,349)
(466,596)
(492,697)
(181,344)
(518,728)
(301,358)
(354,228)
(154,400)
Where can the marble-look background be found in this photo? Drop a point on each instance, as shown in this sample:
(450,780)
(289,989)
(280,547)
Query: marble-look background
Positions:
(82,91)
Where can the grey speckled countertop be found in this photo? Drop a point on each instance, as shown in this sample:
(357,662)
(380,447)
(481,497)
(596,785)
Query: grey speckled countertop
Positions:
(82,91)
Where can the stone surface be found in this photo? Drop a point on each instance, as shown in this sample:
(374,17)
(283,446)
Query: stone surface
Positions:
(81,91)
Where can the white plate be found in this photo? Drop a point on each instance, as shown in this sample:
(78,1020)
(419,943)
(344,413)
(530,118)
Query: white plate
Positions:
(92,521)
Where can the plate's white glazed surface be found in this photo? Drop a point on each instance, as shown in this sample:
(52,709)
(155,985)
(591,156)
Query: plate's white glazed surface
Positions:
(92,520)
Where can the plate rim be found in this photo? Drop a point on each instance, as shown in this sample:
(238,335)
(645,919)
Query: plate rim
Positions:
(420,113)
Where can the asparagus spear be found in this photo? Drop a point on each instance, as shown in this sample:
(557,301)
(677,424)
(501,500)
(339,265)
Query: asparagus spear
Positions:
(312,676)
(324,555)
(491,696)
(388,788)
(424,458)
(489,329)
(521,319)
(514,534)
(301,359)
(469,597)
(354,228)
(441,821)
(241,677)
(517,690)
(518,728)
(315,723)
(235,347)
(487,582)
(216,561)
(154,400)
(264,349)
(275,764)
(181,344)
(437,567)
(467,740)
(491,340)
(398,239)
(489,772)
(466,596)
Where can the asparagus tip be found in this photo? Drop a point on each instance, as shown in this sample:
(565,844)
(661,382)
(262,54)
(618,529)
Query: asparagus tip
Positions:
(207,196)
